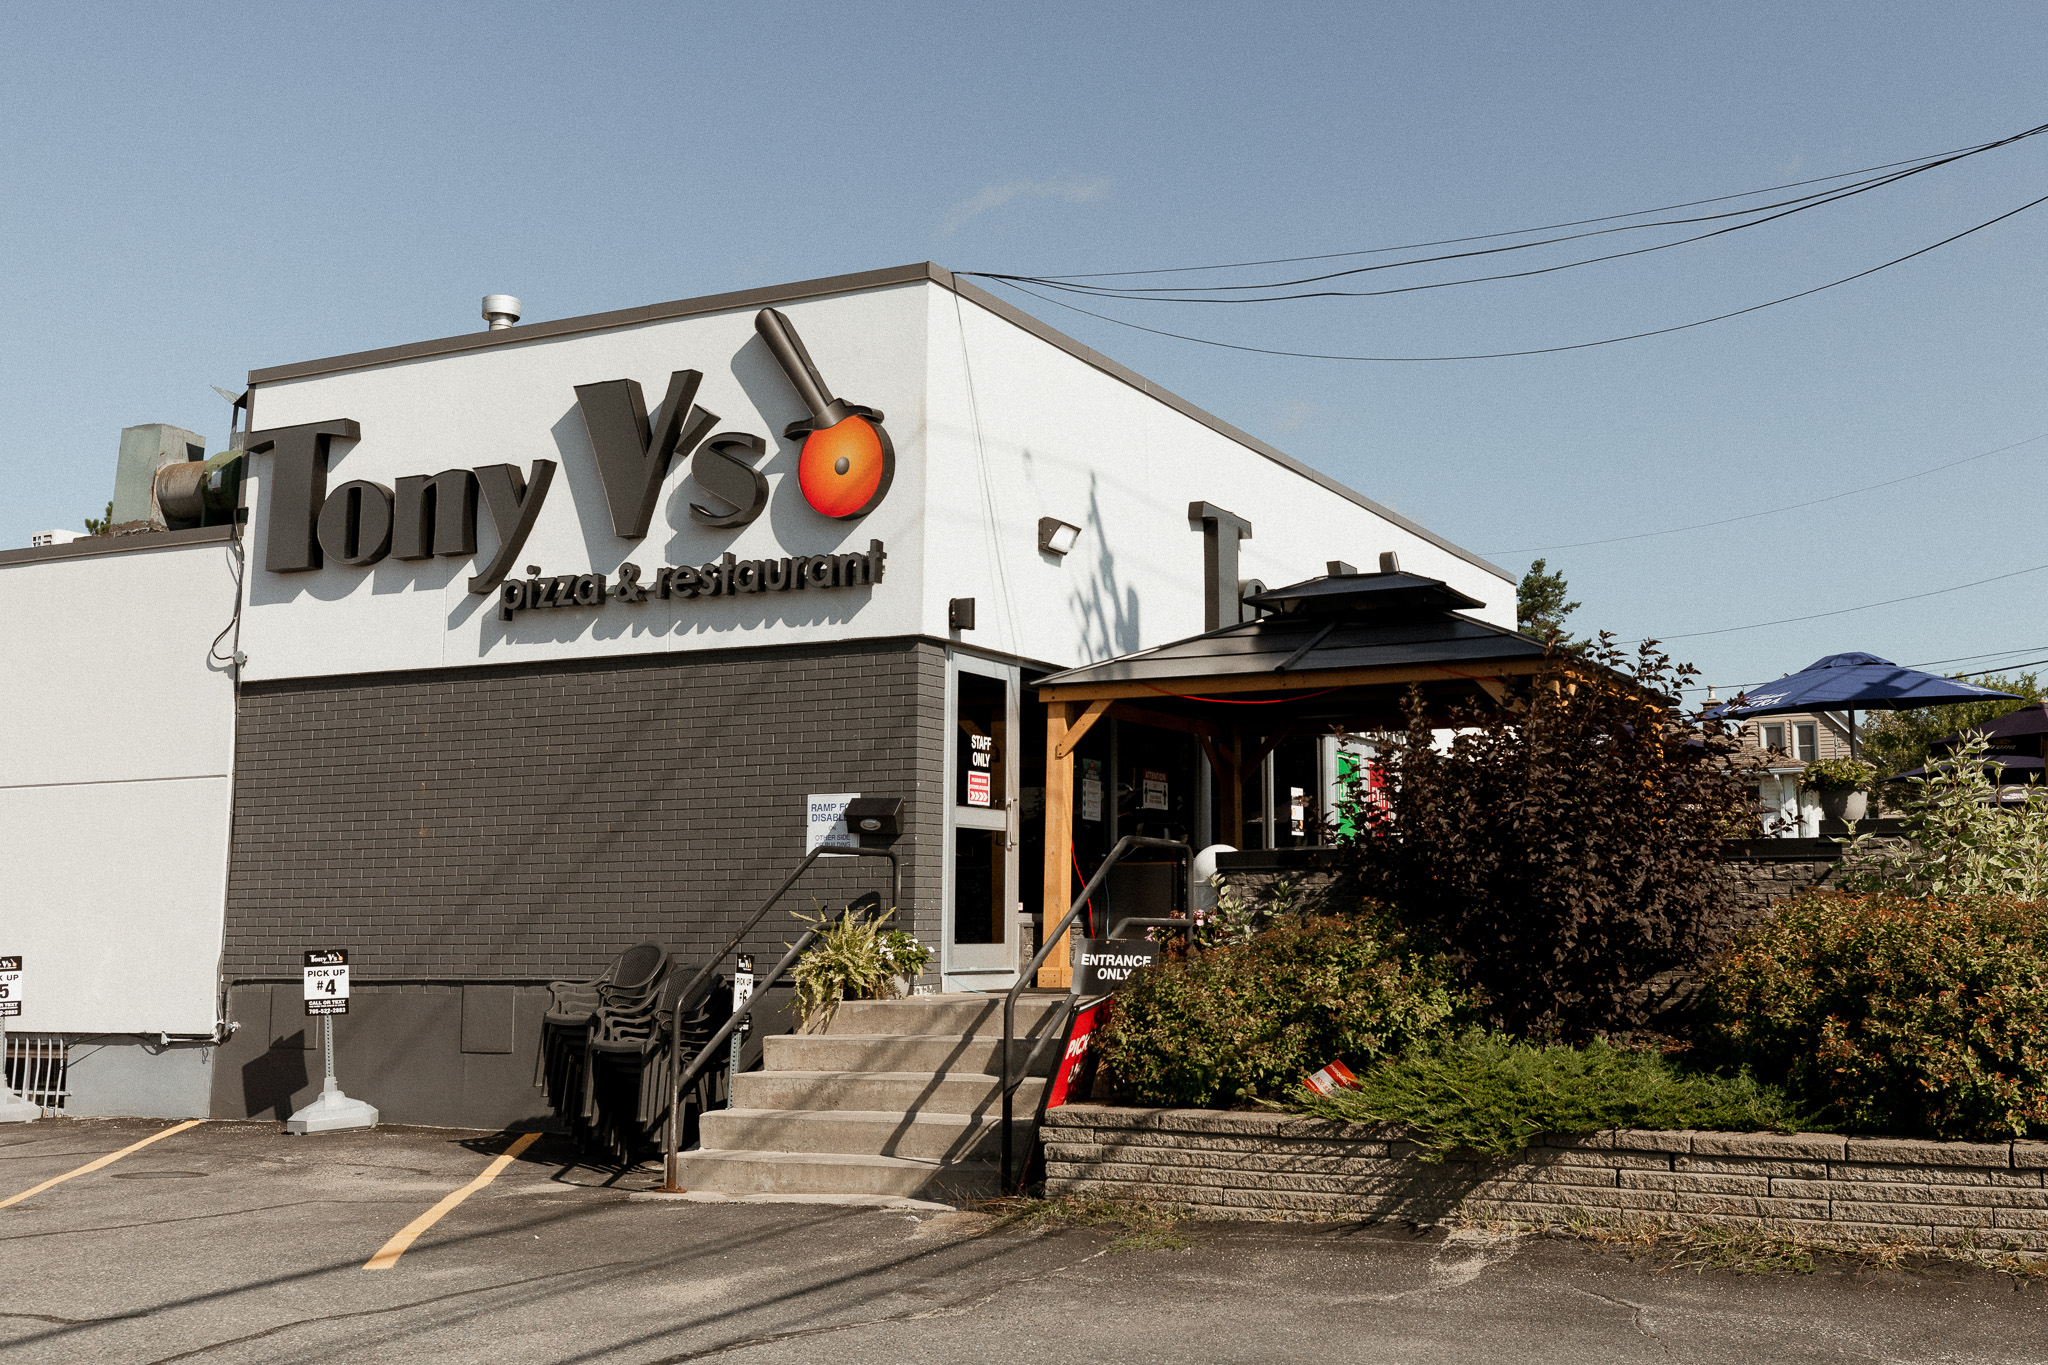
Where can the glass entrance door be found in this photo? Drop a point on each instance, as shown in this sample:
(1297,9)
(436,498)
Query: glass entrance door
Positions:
(980,949)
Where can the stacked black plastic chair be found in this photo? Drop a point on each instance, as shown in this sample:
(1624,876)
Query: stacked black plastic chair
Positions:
(573,1007)
(632,1071)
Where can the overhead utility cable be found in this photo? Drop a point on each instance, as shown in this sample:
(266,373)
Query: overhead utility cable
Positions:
(1517,232)
(1772,511)
(1539,350)
(1843,611)
(1784,208)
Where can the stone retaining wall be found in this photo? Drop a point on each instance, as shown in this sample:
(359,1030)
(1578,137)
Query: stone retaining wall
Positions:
(1251,1165)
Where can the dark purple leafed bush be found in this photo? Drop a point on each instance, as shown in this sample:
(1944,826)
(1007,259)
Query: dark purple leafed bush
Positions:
(1564,845)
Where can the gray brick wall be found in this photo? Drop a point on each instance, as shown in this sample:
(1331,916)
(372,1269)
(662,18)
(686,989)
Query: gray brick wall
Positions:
(1989,1195)
(527,822)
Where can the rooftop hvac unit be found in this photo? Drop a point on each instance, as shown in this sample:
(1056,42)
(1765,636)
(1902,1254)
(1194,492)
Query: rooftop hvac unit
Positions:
(145,450)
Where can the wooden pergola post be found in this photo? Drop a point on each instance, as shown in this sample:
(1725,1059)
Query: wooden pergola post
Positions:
(1058,970)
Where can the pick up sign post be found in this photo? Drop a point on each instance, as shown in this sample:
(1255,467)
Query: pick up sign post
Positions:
(13,1108)
(327,992)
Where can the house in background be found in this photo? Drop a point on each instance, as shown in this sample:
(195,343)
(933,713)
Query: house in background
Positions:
(1794,740)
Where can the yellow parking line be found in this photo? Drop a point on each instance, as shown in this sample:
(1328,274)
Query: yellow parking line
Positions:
(109,1159)
(387,1257)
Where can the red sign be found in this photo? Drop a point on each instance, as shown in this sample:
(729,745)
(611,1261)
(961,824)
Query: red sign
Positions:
(1332,1078)
(1080,1039)
(977,789)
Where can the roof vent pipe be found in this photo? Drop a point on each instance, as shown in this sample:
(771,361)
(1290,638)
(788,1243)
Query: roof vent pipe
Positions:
(501,311)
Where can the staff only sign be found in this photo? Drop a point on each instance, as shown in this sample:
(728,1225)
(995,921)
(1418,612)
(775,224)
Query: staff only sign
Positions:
(844,469)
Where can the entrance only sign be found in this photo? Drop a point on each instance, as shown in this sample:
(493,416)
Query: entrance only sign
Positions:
(10,986)
(1104,965)
(327,981)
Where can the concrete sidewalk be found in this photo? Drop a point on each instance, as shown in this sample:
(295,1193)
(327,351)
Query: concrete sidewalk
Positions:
(230,1243)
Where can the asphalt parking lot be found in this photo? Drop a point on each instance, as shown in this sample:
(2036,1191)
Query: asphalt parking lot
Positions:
(228,1242)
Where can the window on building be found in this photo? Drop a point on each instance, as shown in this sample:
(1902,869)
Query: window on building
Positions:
(1774,737)
(1807,737)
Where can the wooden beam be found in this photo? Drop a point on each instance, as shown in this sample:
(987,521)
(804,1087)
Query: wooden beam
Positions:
(1229,790)
(1316,681)
(1266,746)
(1058,969)
(1082,726)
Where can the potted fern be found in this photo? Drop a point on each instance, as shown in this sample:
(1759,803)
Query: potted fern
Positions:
(1843,785)
(855,957)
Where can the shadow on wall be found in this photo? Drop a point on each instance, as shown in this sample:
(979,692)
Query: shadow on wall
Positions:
(1106,612)
(271,1079)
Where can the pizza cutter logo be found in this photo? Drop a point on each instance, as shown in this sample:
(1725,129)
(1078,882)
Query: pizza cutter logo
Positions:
(847,461)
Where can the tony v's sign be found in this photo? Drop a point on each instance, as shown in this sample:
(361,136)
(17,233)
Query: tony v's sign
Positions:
(843,470)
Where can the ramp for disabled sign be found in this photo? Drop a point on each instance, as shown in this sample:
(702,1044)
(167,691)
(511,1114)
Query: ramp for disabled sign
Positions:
(327,981)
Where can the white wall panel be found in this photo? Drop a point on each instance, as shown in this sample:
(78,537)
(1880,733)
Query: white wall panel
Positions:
(993,427)
(105,672)
(114,900)
(119,736)
(1020,429)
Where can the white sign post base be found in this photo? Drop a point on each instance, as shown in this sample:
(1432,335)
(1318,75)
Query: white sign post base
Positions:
(15,1109)
(331,1112)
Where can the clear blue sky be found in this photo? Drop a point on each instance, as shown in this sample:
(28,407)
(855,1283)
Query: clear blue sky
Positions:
(195,190)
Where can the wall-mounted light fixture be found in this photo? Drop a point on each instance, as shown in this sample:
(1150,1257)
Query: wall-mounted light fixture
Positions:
(960,613)
(1056,537)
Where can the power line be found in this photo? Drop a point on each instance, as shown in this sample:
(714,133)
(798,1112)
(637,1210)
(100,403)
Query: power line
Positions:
(1772,511)
(1988,672)
(1798,204)
(1517,232)
(1972,658)
(1784,209)
(1843,611)
(1540,350)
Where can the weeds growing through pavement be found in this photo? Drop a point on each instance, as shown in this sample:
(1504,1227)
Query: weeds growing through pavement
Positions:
(1769,1250)
(1142,1226)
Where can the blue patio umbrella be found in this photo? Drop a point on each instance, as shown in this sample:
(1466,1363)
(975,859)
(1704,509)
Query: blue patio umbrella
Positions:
(1854,682)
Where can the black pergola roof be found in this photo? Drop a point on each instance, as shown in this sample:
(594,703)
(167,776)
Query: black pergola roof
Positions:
(1366,636)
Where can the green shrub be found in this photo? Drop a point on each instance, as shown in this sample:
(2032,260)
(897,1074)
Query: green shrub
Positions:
(1482,1092)
(1966,839)
(1837,774)
(1231,1024)
(1896,1015)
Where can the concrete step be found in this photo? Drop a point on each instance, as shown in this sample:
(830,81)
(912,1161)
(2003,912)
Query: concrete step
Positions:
(897,1092)
(929,1137)
(957,1016)
(729,1172)
(897,1052)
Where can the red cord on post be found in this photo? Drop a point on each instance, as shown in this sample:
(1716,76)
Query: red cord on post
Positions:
(1084,882)
(1233,701)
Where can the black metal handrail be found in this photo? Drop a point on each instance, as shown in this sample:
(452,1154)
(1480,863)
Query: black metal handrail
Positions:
(1052,939)
(673,1138)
